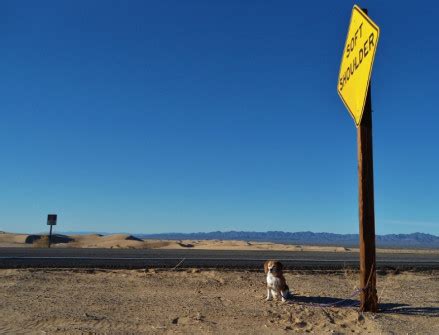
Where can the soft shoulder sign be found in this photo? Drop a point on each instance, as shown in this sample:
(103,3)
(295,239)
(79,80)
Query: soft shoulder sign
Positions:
(356,64)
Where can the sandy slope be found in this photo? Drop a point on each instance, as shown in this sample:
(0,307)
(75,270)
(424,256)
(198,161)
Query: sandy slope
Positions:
(9,240)
(127,241)
(124,301)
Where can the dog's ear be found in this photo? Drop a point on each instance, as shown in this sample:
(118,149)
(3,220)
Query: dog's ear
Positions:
(266,266)
(279,266)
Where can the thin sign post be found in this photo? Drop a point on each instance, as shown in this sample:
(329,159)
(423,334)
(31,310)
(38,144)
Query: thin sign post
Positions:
(51,221)
(355,91)
(366,211)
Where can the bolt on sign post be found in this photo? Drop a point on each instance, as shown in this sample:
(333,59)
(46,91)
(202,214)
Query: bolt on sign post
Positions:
(51,221)
(354,89)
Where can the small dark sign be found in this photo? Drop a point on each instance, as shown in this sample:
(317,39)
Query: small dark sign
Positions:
(51,219)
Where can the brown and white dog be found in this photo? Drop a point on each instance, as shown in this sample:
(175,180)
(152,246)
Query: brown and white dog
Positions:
(276,284)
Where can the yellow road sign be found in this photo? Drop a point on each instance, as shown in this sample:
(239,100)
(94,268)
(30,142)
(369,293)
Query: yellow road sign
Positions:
(356,64)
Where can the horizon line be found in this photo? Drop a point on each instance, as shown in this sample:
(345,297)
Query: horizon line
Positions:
(210,232)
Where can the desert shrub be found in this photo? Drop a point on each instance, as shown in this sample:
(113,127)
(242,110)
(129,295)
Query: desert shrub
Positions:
(42,242)
(157,244)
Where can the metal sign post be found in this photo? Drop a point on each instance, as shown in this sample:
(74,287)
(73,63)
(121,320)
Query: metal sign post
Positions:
(51,221)
(355,91)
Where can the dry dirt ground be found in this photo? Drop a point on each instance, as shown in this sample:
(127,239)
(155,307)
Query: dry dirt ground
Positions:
(191,301)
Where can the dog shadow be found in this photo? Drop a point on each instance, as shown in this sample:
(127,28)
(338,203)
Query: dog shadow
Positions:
(385,308)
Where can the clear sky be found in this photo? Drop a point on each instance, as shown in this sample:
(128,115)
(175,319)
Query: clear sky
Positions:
(185,116)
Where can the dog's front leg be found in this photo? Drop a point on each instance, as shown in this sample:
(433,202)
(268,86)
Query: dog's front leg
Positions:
(269,296)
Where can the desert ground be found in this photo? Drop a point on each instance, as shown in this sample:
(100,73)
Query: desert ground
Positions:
(151,301)
(155,301)
(125,241)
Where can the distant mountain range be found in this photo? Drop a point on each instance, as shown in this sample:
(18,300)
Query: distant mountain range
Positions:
(414,240)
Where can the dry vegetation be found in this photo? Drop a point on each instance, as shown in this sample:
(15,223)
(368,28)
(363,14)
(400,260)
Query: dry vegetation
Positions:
(43,242)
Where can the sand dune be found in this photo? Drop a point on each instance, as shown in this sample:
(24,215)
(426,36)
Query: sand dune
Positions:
(128,241)
(109,241)
(7,239)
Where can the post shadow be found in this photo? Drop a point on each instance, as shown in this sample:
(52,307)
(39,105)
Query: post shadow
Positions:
(384,308)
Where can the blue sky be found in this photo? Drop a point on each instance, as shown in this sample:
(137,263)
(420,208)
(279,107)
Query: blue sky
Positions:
(160,116)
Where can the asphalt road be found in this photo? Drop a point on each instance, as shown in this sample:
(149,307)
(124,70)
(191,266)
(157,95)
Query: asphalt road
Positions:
(219,259)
